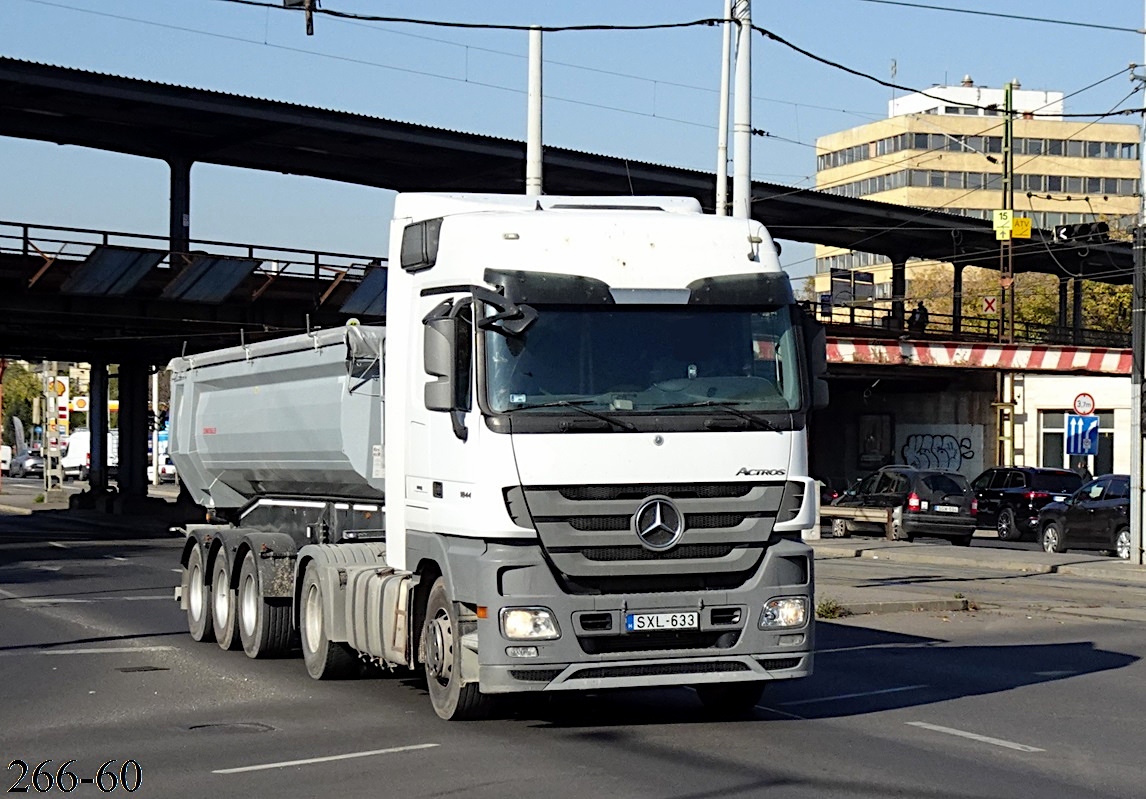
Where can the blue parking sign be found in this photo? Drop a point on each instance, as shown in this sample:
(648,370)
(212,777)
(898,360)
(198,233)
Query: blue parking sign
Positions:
(1081,435)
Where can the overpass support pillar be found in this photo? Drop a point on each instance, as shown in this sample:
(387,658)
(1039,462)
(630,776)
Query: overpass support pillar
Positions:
(133,430)
(97,423)
(180,225)
(898,289)
(1076,316)
(957,301)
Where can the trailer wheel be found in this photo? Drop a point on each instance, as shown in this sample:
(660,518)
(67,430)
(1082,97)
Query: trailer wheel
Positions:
(198,598)
(325,659)
(223,605)
(264,624)
(441,641)
(730,700)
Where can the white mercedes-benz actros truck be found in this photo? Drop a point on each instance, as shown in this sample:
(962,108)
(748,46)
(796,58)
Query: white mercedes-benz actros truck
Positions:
(574,458)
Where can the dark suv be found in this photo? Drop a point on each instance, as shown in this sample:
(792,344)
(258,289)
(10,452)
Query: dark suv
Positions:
(924,502)
(1096,516)
(1010,497)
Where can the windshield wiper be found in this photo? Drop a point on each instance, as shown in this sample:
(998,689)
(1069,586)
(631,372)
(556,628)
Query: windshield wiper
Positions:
(577,407)
(724,406)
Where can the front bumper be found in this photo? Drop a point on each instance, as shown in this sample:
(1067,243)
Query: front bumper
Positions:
(728,646)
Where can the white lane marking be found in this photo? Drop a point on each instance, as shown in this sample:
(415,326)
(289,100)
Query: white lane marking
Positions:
(111,650)
(782,713)
(116,557)
(838,697)
(328,759)
(57,544)
(177,571)
(975,736)
(48,600)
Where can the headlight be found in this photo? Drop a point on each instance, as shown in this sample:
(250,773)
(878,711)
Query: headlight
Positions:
(528,624)
(790,611)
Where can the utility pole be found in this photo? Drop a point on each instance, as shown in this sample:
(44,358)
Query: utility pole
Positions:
(1138,342)
(1005,381)
(742,117)
(533,114)
(722,124)
(3,366)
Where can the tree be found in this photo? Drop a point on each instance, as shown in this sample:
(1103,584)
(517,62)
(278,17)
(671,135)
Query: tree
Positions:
(21,386)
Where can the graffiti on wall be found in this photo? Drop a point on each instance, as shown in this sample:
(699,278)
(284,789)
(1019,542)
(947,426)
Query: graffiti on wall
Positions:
(958,447)
(927,451)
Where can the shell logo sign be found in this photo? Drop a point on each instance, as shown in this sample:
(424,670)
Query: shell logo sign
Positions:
(78,404)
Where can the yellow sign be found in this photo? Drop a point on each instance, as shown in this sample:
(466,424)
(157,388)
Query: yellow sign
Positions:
(1021,227)
(1002,234)
(1001,220)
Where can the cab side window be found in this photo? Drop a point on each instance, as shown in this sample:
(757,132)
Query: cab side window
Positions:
(1002,476)
(1119,489)
(1016,480)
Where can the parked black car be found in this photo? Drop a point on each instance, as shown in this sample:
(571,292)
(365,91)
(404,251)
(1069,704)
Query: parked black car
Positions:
(924,502)
(1010,497)
(1096,516)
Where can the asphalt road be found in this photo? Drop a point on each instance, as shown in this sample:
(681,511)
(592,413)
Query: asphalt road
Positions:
(1011,701)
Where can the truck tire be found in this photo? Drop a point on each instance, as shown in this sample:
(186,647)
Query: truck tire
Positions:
(198,598)
(264,624)
(325,659)
(441,641)
(1006,527)
(223,606)
(731,699)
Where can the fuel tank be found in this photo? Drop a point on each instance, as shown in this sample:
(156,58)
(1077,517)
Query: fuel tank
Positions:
(297,416)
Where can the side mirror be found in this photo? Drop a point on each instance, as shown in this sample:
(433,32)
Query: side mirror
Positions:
(447,350)
(816,356)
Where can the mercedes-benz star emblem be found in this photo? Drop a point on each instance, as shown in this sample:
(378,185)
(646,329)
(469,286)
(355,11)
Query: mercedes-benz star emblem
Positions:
(658,523)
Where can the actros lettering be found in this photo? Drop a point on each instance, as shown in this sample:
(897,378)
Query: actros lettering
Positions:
(744,470)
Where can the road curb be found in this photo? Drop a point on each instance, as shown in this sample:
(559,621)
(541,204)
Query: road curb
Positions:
(938,559)
(15,510)
(904,606)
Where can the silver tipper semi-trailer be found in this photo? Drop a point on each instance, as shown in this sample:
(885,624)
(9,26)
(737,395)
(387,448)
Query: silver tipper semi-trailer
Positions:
(574,458)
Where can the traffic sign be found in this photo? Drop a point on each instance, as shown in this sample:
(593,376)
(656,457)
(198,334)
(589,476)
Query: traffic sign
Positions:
(1084,404)
(988,305)
(1021,227)
(1081,435)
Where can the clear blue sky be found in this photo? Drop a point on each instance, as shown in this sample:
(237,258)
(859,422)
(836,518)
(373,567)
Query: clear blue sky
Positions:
(649,96)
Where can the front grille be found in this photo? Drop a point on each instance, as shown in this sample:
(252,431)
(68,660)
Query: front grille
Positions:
(776,664)
(640,553)
(535,675)
(658,642)
(692,521)
(640,491)
(659,669)
(653,584)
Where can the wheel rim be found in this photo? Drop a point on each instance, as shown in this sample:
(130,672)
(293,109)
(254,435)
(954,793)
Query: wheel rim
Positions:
(221,596)
(249,595)
(1003,527)
(1050,539)
(440,648)
(1123,545)
(312,624)
(195,589)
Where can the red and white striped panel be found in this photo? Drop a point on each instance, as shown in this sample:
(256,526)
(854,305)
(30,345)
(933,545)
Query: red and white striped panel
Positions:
(1012,357)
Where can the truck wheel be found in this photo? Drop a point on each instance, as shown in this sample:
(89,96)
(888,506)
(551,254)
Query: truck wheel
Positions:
(730,700)
(1052,538)
(839,528)
(325,659)
(223,605)
(264,624)
(198,598)
(1006,527)
(441,641)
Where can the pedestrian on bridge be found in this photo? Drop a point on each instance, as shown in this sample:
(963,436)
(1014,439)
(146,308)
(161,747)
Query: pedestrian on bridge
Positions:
(917,322)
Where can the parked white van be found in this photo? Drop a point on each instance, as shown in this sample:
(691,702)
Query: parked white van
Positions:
(77,458)
(5,458)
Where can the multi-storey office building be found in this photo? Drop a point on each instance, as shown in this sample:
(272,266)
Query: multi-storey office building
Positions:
(943,150)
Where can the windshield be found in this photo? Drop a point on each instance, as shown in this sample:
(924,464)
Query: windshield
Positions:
(643,358)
